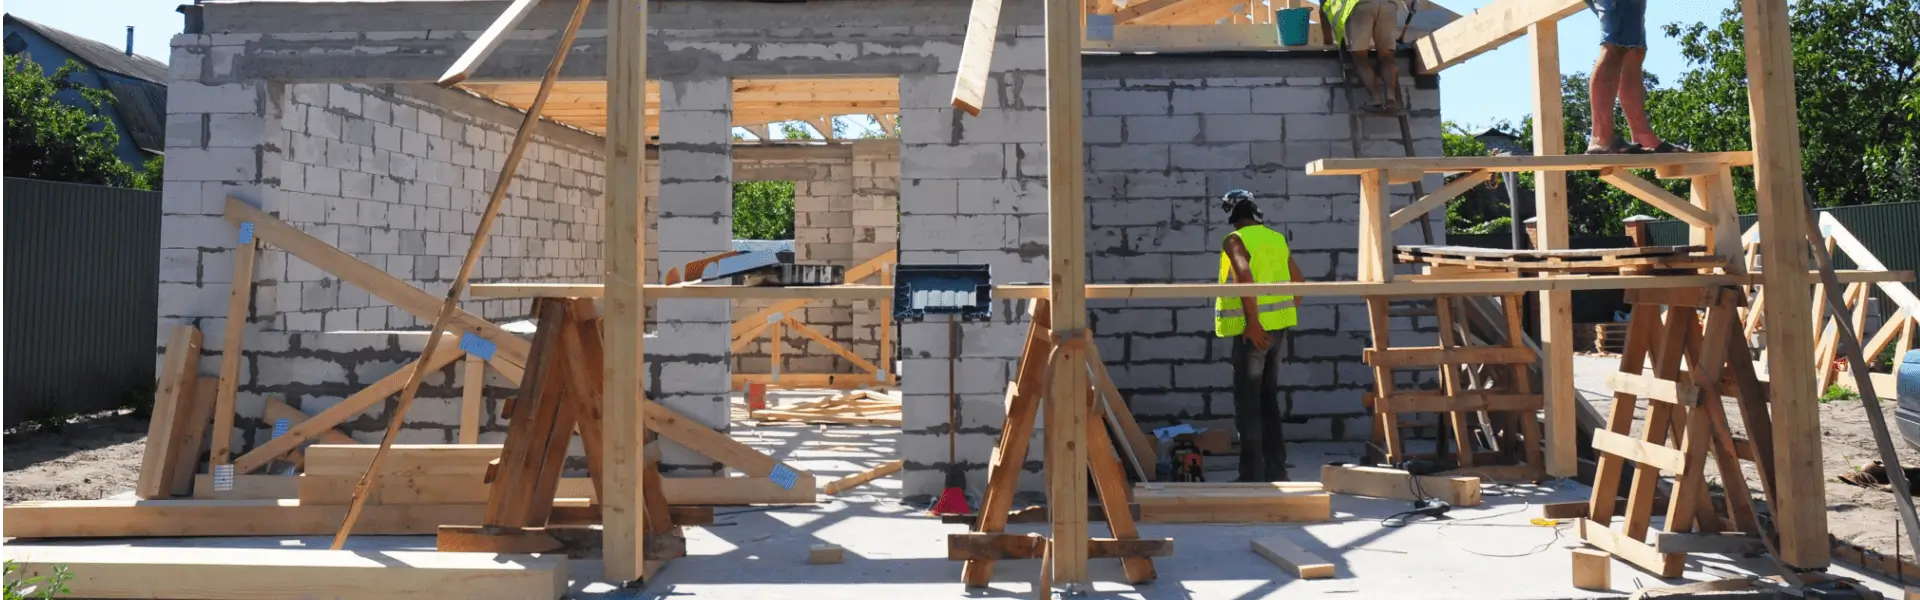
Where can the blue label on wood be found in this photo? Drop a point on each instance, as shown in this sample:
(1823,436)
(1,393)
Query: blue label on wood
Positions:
(1100,28)
(476,346)
(280,427)
(246,232)
(784,476)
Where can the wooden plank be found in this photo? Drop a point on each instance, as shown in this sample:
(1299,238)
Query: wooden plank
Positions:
(1654,388)
(796,381)
(1016,546)
(489,40)
(248,487)
(1380,482)
(1557,343)
(1592,569)
(1800,515)
(1006,463)
(1428,356)
(831,346)
(1659,457)
(239,299)
(976,56)
(1292,558)
(372,279)
(701,438)
(1713,543)
(815,417)
(1486,29)
(469,488)
(403,460)
(1564,510)
(734,491)
(1515,164)
(1453,189)
(1144,446)
(1066,429)
(844,483)
(1376,242)
(223,518)
(222,573)
(472,398)
(334,415)
(179,373)
(1229,506)
(585,358)
(1110,483)
(1659,197)
(1631,550)
(277,409)
(195,421)
(1243,36)
(1351,289)
(1465,401)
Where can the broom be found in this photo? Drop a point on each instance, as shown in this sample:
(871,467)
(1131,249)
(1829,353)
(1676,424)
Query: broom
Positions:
(953,499)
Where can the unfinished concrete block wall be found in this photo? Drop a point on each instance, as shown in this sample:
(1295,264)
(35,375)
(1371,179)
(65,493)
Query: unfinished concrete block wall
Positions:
(687,357)
(1166,137)
(846,212)
(393,174)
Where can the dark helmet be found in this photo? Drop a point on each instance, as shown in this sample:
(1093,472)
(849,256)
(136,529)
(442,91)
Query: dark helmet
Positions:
(1238,204)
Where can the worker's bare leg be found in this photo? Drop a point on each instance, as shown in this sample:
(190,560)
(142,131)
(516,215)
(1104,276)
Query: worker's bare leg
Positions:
(1363,63)
(1633,96)
(1605,89)
(1385,27)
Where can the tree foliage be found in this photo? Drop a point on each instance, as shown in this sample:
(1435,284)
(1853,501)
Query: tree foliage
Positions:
(763,210)
(51,140)
(1857,78)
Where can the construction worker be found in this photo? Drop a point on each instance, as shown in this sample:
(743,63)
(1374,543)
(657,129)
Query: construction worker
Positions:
(1618,75)
(1359,25)
(1254,253)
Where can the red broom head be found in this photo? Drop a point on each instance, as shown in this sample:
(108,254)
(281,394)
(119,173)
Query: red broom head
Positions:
(953,501)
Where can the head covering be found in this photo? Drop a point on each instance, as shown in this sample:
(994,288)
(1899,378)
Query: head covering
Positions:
(1239,206)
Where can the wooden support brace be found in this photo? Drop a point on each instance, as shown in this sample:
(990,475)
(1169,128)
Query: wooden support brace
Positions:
(239,299)
(179,374)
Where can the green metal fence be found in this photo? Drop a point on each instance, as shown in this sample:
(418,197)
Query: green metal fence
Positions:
(82,291)
(1890,231)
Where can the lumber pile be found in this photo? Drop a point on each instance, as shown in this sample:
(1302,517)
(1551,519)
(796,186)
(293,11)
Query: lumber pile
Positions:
(1381,482)
(1278,502)
(858,407)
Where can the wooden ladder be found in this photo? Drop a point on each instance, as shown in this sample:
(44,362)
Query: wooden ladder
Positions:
(1685,419)
(1505,408)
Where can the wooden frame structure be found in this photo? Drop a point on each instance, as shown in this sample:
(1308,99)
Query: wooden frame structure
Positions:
(772,320)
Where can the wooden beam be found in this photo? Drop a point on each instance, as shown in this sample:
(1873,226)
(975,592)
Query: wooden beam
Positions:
(277,409)
(470,488)
(160,572)
(179,374)
(1410,401)
(832,346)
(221,518)
(1194,37)
(1488,28)
(239,299)
(472,398)
(1066,421)
(976,56)
(1659,197)
(1453,189)
(1209,503)
(1800,515)
(1380,482)
(402,459)
(198,419)
(373,280)
(844,483)
(1291,558)
(1515,164)
(334,415)
(1136,10)
(1639,451)
(1550,203)
(248,487)
(1376,240)
(1018,546)
(625,309)
(1429,356)
(488,41)
(1631,550)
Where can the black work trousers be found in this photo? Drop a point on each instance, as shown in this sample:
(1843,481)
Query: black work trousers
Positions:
(1258,408)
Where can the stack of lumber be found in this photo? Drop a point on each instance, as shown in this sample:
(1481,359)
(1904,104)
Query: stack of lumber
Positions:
(858,407)
(1634,260)
(1609,338)
(1278,502)
(1382,482)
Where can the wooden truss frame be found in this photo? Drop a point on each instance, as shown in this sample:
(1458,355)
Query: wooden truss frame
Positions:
(773,319)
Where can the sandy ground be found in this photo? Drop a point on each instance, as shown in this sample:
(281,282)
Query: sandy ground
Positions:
(1865,517)
(93,459)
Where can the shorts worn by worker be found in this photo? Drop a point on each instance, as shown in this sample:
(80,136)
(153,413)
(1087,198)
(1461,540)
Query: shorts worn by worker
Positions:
(1374,24)
(1623,23)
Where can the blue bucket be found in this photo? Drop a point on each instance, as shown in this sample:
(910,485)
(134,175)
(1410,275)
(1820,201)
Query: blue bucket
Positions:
(1293,24)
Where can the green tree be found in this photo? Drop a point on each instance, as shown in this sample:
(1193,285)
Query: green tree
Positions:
(52,140)
(763,210)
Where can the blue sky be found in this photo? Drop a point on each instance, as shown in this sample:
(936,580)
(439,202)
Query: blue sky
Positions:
(1489,87)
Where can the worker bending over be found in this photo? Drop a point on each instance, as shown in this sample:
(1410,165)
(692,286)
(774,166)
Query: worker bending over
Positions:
(1618,75)
(1255,254)
(1363,24)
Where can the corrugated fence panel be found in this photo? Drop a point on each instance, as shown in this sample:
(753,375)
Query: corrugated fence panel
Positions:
(82,290)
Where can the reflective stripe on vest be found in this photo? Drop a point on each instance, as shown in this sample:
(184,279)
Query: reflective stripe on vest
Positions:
(1339,11)
(1269,256)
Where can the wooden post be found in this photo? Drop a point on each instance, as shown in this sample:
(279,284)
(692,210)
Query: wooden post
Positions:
(773,337)
(238,299)
(1801,514)
(1066,410)
(472,399)
(1550,203)
(1376,240)
(883,377)
(623,512)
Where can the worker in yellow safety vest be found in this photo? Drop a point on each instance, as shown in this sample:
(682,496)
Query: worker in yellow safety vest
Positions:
(1358,25)
(1253,253)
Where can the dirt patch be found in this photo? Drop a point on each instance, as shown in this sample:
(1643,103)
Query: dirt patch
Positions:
(1865,517)
(93,459)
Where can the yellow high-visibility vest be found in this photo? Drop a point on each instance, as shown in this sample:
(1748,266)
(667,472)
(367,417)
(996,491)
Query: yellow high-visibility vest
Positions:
(1269,256)
(1338,11)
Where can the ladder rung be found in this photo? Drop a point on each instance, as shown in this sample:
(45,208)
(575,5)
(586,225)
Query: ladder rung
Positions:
(1434,356)
(1639,451)
(1440,402)
(1653,388)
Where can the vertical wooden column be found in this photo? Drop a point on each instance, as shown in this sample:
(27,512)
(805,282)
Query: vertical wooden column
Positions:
(1550,205)
(622,510)
(472,399)
(239,298)
(1715,193)
(1801,514)
(1376,239)
(1066,410)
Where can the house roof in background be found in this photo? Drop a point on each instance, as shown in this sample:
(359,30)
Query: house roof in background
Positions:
(99,54)
(143,112)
